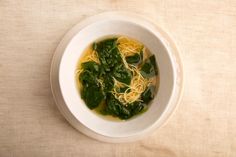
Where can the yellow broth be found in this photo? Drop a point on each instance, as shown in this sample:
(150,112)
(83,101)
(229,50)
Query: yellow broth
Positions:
(84,57)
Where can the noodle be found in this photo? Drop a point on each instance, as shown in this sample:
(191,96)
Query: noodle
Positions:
(135,89)
(91,56)
(127,47)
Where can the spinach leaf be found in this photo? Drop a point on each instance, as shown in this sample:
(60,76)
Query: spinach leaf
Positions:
(91,92)
(92,95)
(111,60)
(135,59)
(122,74)
(123,89)
(148,94)
(94,46)
(92,67)
(108,83)
(149,68)
(108,53)
(87,78)
(116,108)
(136,107)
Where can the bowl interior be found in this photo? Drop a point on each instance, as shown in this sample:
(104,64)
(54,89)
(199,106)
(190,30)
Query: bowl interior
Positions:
(152,40)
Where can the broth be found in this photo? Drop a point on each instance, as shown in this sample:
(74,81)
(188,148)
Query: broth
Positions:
(126,98)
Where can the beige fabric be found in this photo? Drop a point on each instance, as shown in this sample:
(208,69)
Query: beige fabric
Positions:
(203,125)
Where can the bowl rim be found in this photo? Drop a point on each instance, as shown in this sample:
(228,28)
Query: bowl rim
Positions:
(58,97)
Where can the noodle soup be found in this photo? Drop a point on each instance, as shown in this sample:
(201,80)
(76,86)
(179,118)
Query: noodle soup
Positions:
(117,77)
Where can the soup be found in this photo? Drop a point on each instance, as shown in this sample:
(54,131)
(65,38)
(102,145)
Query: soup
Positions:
(117,77)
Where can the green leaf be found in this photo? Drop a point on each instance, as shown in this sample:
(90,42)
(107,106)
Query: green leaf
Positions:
(136,107)
(123,89)
(87,78)
(149,68)
(111,60)
(108,53)
(108,83)
(148,94)
(94,46)
(91,91)
(135,59)
(122,74)
(116,108)
(92,67)
(92,95)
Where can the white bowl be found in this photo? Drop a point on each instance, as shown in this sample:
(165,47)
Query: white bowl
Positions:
(63,79)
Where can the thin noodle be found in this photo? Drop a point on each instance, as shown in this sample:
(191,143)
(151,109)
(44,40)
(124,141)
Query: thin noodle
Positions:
(127,47)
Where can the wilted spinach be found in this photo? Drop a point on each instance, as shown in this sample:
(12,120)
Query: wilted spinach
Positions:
(97,80)
(122,74)
(88,78)
(149,68)
(135,59)
(108,53)
(108,83)
(92,67)
(123,89)
(92,95)
(136,107)
(148,94)
(116,108)
(111,60)
(91,89)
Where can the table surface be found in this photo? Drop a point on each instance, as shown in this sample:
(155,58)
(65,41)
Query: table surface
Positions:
(203,125)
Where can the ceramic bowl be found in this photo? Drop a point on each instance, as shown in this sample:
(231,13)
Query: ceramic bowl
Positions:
(64,85)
